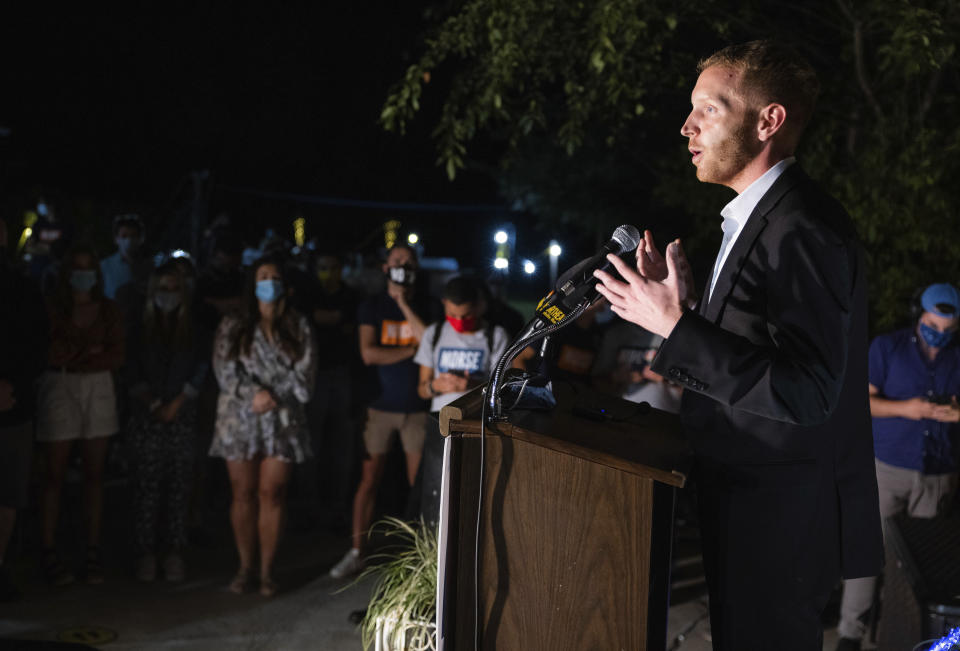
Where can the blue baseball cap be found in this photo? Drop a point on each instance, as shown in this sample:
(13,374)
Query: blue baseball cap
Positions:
(937,297)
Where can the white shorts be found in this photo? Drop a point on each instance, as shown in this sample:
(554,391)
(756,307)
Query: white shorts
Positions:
(73,406)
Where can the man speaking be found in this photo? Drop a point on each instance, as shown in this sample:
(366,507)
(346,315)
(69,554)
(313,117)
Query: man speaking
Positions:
(773,358)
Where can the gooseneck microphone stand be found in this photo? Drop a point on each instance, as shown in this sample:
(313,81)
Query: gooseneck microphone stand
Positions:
(534,331)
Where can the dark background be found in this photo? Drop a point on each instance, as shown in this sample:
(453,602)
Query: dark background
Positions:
(111,111)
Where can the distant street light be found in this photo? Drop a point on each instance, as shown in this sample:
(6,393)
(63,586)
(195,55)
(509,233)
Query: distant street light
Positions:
(501,263)
(413,238)
(501,237)
(529,268)
(554,250)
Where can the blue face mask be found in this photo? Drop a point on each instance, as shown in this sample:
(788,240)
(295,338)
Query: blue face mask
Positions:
(269,291)
(126,246)
(83,280)
(935,338)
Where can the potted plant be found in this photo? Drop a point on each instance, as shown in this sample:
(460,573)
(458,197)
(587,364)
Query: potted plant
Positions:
(401,615)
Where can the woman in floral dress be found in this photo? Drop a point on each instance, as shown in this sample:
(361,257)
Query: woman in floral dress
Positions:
(264,361)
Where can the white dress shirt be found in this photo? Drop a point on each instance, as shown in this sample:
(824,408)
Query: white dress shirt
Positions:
(736,213)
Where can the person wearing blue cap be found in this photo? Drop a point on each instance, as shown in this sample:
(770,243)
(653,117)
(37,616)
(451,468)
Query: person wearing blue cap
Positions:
(914,384)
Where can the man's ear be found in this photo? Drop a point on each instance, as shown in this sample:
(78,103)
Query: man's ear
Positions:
(770,120)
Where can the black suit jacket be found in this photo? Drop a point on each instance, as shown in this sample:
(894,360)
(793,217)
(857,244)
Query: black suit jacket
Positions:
(775,370)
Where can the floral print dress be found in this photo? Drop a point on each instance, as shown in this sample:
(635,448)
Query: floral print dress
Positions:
(281,432)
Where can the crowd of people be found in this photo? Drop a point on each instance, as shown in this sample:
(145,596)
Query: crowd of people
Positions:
(276,359)
(270,358)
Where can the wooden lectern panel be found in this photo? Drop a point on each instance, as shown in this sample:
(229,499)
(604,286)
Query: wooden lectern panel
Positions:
(564,540)
(575,528)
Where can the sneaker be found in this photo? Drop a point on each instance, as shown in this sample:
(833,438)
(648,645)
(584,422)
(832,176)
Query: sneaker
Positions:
(350,564)
(848,644)
(173,567)
(147,568)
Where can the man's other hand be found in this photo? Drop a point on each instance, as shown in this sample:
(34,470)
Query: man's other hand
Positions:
(653,266)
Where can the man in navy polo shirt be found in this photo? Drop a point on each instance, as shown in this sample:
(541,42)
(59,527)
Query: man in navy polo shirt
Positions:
(914,384)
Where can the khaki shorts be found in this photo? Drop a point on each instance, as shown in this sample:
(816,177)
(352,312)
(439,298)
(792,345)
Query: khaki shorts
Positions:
(74,406)
(382,424)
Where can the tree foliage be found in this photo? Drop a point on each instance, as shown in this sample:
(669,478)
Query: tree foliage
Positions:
(587,91)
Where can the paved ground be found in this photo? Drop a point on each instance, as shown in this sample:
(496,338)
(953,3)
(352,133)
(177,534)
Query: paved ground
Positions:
(312,612)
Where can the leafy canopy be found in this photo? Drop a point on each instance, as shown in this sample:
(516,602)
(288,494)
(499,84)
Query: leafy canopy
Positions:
(576,89)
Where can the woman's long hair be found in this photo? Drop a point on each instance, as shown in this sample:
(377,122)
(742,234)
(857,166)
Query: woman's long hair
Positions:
(176,330)
(62,298)
(286,328)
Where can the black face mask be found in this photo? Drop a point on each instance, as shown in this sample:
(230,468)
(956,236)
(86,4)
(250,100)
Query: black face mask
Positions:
(405,276)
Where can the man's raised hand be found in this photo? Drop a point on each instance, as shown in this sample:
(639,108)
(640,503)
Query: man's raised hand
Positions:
(655,305)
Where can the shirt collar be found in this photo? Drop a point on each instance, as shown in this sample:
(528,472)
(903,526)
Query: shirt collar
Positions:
(736,213)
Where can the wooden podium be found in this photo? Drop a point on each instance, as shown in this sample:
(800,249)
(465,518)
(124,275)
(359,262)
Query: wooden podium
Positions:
(575,525)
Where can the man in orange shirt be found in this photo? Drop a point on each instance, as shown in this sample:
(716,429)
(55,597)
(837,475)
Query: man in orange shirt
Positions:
(391,325)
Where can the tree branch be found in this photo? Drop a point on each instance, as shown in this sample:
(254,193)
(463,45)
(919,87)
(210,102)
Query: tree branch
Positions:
(858,59)
(928,95)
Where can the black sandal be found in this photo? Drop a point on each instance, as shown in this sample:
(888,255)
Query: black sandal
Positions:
(94,570)
(55,572)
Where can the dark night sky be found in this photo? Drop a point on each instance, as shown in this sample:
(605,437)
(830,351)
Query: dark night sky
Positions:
(117,107)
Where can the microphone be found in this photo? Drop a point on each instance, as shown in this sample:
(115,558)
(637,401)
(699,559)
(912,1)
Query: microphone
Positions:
(578,286)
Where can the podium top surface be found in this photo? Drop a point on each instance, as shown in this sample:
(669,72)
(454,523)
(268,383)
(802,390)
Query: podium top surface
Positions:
(648,444)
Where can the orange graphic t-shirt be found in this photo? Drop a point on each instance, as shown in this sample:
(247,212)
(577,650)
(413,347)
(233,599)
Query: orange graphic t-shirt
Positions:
(396,333)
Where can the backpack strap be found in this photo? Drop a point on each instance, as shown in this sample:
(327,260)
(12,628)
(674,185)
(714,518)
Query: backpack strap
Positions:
(436,335)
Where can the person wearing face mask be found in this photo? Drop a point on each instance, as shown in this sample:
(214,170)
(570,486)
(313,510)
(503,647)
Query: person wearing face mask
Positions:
(76,401)
(914,384)
(165,370)
(126,265)
(44,249)
(456,355)
(264,360)
(391,325)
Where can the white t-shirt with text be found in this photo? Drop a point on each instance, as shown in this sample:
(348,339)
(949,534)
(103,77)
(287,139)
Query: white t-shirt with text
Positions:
(460,353)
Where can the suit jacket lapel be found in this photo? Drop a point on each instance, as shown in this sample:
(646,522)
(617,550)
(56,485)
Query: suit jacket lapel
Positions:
(712,308)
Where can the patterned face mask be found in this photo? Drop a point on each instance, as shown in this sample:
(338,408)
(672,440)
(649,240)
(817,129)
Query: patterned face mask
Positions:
(935,338)
(402,275)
